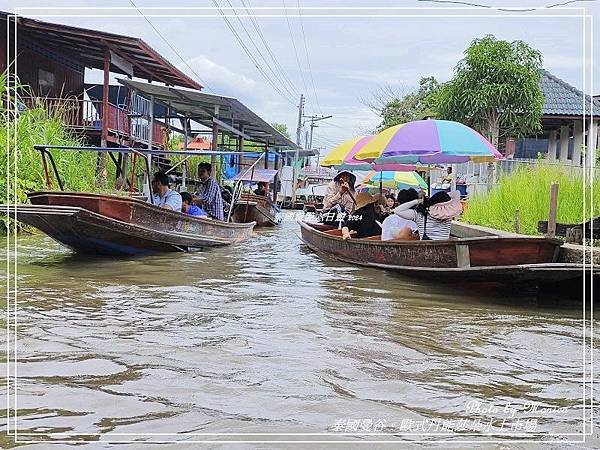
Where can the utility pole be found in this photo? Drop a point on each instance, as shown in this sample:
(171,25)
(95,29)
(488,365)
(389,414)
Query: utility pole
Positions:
(314,119)
(297,153)
(300,115)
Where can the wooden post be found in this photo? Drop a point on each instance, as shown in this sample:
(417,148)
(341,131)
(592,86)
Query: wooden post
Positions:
(105,93)
(517,221)
(101,162)
(553,210)
(276,178)
(125,167)
(490,176)
(214,147)
(463,257)
(266,156)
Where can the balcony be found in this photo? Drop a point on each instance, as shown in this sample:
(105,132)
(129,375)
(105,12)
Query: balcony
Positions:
(86,116)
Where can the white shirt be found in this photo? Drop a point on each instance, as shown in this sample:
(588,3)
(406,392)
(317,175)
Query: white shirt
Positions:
(392,225)
(171,198)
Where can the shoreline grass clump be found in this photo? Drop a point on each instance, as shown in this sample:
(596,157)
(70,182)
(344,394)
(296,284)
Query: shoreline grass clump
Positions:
(37,124)
(527,189)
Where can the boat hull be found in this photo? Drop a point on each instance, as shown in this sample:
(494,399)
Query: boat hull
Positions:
(485,259)
(253,208)
(111,225)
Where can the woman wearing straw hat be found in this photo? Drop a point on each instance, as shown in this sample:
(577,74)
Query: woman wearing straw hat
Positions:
(363,221)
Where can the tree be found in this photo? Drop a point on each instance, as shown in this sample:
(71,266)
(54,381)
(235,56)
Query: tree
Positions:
(282,128)
(495,89)
(400,106)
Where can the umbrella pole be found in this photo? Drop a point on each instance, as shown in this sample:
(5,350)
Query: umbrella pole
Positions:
(428,180)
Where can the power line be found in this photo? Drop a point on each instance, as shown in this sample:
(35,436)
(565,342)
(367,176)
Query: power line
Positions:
(323,139)
(204,84)
(277,78)
(250,55)
(312,80)
(268,47)
(287,19)
(341,127)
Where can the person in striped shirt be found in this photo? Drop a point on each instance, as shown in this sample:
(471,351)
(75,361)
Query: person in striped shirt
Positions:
(432,215)
(209,193)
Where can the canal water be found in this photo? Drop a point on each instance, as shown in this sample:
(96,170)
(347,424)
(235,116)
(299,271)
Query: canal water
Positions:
(267,341)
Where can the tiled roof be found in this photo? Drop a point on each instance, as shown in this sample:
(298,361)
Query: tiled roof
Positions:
(562,99)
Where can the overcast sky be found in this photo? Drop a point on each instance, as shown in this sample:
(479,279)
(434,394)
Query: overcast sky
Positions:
(348,57)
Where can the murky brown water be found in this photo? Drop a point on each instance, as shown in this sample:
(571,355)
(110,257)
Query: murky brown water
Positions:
(267,337)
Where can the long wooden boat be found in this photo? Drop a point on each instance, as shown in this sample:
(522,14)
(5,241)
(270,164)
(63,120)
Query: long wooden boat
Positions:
(482,259)
(256,208)
(113,225)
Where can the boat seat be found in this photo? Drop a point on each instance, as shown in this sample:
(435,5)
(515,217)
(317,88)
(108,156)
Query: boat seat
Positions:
(373,238)
(334,232)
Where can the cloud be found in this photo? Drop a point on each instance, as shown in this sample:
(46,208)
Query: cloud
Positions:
(219,79)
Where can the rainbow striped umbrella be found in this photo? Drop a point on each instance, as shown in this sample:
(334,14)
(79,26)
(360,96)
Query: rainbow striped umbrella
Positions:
(342,157)
(394,180)
(337,156)
(428,142)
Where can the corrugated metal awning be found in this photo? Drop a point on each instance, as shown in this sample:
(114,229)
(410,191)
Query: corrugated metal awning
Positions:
(205,108)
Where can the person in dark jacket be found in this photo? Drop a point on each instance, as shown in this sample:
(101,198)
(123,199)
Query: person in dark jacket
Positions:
(362,222)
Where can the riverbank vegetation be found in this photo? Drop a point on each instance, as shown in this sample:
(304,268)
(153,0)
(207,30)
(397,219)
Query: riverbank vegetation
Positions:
(21,168)
(527,190)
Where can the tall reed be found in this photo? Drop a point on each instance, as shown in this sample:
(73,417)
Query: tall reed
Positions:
(527,189)
(38,124)
(35,124)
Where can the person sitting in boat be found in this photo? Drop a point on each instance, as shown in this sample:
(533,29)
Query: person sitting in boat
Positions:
(163,196)
(209,193)
(395,227)
(362,222)
(386,207)
(188,207)
(263,189)
(390,204)
(339,197)
(432,215)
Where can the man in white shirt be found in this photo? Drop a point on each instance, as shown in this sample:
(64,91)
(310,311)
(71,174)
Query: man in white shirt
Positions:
(162,195)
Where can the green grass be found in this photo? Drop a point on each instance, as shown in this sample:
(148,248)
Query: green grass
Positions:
(37,125)
(527,189)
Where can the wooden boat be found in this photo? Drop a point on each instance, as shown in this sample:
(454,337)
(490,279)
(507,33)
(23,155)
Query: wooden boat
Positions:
(256,208)
(113,225)
(482,259)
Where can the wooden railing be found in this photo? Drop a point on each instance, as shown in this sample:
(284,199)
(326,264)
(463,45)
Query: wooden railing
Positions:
(87,115)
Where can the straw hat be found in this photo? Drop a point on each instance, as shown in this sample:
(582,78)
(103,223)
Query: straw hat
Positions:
(364,199)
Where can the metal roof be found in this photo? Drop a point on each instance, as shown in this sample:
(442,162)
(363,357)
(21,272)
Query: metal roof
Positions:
(86,47)
(562,99)
(203,108)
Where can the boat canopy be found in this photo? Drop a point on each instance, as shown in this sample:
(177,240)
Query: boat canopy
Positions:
(264,175)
